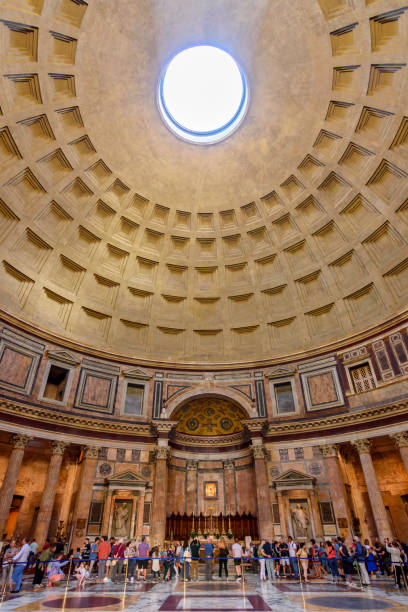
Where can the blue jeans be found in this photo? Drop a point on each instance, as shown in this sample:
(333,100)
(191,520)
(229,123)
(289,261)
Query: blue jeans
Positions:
(185,570)
(17,576)
(131,566)
(333,567)
(270,568)
(294,565)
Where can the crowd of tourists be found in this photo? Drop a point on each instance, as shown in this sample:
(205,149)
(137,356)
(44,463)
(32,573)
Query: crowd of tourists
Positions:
(114,560)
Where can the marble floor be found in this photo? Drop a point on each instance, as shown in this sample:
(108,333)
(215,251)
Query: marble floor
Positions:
(214,596)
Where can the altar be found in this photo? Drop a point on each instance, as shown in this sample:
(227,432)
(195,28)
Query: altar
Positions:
(184,526)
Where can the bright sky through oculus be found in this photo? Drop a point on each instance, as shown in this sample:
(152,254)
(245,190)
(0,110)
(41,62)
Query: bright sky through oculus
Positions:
(203,94)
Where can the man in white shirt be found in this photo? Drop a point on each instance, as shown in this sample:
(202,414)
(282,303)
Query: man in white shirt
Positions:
(20,559)
(292,557)
(237,554)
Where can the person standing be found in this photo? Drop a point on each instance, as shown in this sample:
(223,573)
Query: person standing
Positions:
(360,554)
(143,558)
(268,557)
(117,562)
(195,558)
(222,558)
(20,559)
(395,552)
(262,558)
(292,557)
(284,556)
(237,554)
(93,555)
(85,550)
(9,551)
(208,554)
(346,561)
(314,553)
(186,552)
(332,561)
(41,566)
(303,558)
(169,564)
(104,550)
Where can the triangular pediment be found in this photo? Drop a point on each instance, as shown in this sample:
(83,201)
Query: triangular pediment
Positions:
(64,357)
(126,479)
(291,476)
(137,373)
(280,372)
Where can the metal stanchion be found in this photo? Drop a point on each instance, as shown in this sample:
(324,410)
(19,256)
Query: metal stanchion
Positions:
(299,570)
(124,588)
(359,574)
(66,586)
(404,578)
(242,569)
(6,581)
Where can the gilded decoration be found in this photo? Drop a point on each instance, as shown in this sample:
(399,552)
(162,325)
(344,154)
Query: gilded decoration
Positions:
(209,417)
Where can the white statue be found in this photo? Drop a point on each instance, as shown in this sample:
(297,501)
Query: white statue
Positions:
(301,519)
(121,516)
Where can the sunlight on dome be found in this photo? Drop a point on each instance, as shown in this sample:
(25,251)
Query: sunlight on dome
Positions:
(203,94)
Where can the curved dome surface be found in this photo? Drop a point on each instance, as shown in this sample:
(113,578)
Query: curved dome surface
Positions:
(288,236)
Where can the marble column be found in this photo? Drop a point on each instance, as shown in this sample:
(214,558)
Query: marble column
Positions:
(401,441)
(282,514)
(191,487)
(48,496)
(139,515)
(337,491)
(265,519)
(84,494)
(107,504)
(229,487)
(384,529)
(158,522)
(19,442)
(314,505)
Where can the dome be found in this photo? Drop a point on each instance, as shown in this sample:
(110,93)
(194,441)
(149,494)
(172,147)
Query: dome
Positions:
(287,237)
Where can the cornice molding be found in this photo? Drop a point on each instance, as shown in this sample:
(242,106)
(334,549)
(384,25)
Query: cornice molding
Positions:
(337,421)
(42,415)
(217,441)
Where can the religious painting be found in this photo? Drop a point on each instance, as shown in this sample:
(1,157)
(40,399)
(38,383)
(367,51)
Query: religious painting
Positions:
(300,517)
(211,490)
(122,515)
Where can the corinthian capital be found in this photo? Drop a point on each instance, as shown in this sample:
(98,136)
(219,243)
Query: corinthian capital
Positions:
(229,464)
(162,452)
(192,465)
(329,450)
(58,447)
(91,452)
(362,446)
(20,440)
(400,438)
(258,451)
